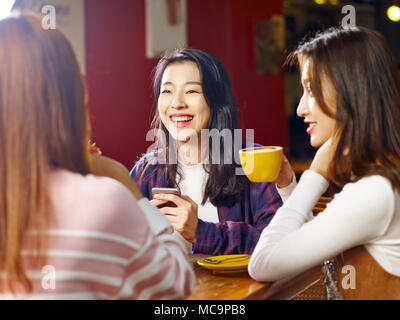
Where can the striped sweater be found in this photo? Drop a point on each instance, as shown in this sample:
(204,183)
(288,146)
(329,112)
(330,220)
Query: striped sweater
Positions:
(101,244)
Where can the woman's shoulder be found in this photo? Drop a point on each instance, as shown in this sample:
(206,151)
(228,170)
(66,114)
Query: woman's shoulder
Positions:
(88,191)
(65,178)
(95,204)
(147,163)
(374,192)
(149,158)
(373,183)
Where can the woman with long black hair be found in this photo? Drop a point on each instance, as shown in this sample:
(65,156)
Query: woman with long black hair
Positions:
(219,211)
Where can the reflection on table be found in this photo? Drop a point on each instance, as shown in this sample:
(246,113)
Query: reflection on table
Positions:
(236,286)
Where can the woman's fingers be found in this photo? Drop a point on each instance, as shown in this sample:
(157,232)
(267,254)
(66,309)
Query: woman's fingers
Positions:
(285,176)
(179,221)
(323,158)
(188,199)
(171,211)
(183,217)
(171,197)
(157,202)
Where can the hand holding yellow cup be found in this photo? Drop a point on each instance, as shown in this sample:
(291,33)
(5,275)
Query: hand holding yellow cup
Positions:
(261,164)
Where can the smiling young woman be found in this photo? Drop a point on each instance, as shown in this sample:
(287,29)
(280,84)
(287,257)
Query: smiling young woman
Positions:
(219,211)
(181,103)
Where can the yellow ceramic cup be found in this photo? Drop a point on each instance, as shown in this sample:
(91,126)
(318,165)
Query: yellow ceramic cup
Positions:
(261,164)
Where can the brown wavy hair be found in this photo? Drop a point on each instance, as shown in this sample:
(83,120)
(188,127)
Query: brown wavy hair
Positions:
(363,71)
(43,125)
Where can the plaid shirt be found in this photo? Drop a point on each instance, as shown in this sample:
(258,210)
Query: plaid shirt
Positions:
(240,226)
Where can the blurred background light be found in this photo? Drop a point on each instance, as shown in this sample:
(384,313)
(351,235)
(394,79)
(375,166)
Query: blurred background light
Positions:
(320,1)
(393,13)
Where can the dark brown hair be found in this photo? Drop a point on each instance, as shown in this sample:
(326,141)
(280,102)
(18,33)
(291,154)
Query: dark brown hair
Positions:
(363,71)
(43,124)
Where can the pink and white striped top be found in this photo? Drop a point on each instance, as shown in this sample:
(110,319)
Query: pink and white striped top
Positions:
(102,245)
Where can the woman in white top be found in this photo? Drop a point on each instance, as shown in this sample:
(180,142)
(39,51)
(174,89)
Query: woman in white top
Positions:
(351,103)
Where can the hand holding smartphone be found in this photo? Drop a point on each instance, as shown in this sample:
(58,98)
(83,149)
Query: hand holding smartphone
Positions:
(180,210)
(174,191)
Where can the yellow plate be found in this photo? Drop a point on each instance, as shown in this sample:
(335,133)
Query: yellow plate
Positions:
(234,265)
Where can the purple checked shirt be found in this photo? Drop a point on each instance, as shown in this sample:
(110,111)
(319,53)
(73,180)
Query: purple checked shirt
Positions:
(240,226)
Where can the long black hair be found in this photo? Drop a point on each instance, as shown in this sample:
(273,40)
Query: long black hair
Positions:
(223,187)
(363,71)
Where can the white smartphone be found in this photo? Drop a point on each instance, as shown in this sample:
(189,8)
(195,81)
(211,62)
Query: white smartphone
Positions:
(174,191)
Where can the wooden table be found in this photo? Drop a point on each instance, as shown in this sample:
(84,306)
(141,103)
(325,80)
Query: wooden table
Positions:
(237,286)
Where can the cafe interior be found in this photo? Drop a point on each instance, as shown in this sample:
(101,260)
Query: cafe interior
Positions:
(117,45)
(119,42)
(119,65)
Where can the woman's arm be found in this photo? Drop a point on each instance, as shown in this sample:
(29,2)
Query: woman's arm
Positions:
(243,223)
(152,262)
(241,227)
(285,192)
(293,243)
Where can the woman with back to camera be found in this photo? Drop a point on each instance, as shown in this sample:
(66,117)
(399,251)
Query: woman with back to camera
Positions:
(219,212)
(88,231)
(351,103)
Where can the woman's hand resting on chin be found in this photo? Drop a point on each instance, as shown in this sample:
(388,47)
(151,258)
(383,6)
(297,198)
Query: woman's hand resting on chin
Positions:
(323,158)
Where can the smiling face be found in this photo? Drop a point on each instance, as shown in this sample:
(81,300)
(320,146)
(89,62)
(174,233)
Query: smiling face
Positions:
(182,105)
(320,125)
